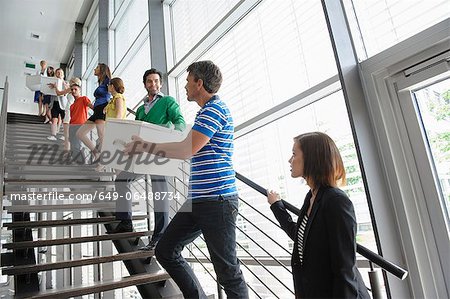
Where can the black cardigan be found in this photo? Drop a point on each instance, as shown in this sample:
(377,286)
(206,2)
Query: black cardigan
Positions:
(329,252)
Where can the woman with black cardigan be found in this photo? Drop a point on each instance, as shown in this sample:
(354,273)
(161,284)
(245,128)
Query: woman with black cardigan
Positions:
(324,255)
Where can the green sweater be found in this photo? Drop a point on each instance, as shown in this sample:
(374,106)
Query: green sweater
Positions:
(165,112)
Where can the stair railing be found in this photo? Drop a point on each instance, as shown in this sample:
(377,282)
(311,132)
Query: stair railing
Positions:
(254,259)
(140,187)
(365,252)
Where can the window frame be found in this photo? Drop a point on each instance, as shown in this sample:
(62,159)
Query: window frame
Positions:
(406,215)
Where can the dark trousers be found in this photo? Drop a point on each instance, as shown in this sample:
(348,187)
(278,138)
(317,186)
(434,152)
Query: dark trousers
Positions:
(216,220)
(123,183)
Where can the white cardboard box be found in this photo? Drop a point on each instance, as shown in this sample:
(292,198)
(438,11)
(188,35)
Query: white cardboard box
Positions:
(38,82)
(47,90)
(33,82)
(118,132)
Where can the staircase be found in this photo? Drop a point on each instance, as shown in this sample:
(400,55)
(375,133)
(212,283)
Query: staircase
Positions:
(44,219)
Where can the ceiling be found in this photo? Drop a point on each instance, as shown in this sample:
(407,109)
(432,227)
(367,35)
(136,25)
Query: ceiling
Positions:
(53,20)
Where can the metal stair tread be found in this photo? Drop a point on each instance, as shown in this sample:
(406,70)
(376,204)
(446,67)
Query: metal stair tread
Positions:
(97,287)
(25,269)
(110,206)
(74,240)
(65,222)
(30,183)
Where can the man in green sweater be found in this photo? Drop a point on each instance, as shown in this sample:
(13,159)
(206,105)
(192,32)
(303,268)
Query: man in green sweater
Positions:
(161,110)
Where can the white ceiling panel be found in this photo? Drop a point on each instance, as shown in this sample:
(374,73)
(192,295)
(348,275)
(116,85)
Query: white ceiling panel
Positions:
(53,20)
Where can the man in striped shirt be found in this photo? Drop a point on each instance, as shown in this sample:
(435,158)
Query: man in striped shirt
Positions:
(212,205)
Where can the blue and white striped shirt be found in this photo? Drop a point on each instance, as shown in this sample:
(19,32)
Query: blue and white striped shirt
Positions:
(212,172)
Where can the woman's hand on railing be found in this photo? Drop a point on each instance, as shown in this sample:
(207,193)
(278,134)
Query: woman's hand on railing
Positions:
(272,196)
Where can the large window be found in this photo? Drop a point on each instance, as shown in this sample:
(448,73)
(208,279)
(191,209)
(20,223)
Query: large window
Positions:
(129,27)
(433,104)
(276,52)
(377,25)
(132,75)
(265,62)
(192,19)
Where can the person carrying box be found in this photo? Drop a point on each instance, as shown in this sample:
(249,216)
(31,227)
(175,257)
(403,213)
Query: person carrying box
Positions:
(161,110)
(212,203)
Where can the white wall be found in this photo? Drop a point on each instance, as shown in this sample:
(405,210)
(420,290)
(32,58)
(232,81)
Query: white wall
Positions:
(20,98)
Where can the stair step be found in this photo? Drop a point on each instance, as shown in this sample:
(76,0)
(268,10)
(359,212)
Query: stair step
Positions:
(29,139)
(18,270)
(56,175)
(102,286)
(65,222)
(18,185)
(28,134)
(20,166)
(12,143)
(103,206)
(44,162)
(68,222)
(48,184)
(29,149)
(74,240)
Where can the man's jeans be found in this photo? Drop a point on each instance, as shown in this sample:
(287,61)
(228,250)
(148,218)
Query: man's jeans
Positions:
(123,183)
(216,219)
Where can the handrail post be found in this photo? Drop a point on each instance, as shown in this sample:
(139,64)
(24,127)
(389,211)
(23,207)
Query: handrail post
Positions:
(219,291)
(375,279)
(147,202)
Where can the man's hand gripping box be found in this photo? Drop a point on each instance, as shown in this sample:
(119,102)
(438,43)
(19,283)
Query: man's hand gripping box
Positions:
(118,132)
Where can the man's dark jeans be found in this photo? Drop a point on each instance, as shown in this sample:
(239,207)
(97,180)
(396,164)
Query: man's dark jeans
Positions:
(216,219)
(123,184)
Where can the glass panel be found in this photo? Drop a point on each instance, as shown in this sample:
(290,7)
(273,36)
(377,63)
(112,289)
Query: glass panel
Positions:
(377,25)
(132,76)
(192,19)
(117,4)
(434,110)
(92,45)
(263,157)
(264,62)
(91,85)
(132,22)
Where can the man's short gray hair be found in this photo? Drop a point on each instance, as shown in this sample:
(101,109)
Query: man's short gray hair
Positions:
(208,72)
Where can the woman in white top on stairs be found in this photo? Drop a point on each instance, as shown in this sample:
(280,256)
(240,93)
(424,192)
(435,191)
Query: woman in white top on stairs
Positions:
(59,103)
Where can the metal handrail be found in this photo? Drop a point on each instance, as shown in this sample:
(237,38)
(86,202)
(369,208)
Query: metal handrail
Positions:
(367,253)
(254,258)
(257,228)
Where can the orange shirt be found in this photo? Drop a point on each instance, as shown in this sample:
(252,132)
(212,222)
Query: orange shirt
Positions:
(79,110)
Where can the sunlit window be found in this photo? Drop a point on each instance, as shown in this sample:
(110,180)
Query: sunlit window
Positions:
(129,27)
(434,111)
(377,25)
(264,62)
(192,19)
(132,75)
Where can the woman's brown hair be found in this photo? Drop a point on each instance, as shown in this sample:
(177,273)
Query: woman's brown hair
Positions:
(322,162)
(104,73)
(118,84)
(50,71)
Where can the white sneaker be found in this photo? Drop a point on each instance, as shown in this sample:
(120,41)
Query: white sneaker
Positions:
(51,137)
(62,138)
